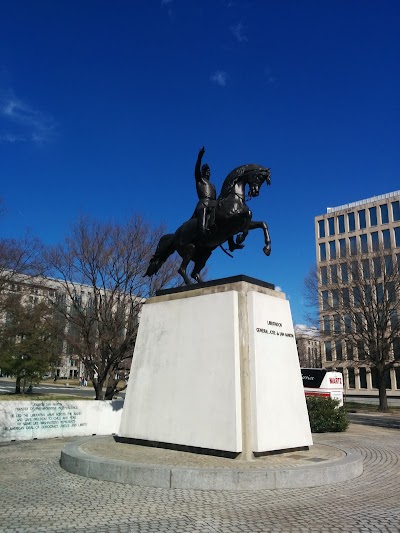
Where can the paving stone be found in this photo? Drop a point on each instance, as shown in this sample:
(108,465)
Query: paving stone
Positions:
(36,494)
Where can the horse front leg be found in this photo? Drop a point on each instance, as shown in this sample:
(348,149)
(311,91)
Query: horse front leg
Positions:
(247,220)
(237,244)
(254,224)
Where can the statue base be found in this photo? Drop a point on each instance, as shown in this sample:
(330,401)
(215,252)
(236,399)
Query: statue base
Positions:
(216,370)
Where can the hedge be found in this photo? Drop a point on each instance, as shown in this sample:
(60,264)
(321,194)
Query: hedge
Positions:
(326,415)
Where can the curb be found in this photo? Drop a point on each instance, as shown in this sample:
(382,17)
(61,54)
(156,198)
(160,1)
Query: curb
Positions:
(231,479)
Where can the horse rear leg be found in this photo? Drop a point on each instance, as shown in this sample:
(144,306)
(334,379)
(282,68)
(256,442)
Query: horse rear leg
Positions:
(199,265)
(187,256)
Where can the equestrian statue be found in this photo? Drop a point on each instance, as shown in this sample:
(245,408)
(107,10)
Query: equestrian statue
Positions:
(215,220)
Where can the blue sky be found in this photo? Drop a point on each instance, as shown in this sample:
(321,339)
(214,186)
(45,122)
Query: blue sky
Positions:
(104,106)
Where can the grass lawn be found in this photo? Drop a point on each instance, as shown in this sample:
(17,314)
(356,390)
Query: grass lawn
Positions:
(11,396)
(358,407)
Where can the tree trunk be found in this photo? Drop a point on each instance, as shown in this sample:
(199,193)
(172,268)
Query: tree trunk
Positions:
(383,404)
(98,387)
(110,391)
(18,385)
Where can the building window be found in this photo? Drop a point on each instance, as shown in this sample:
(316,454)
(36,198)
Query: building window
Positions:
(332,249)
(394,319)
(324,275)
(346,297)
(386,239)
(389,264)
(363,377)
(396,211)
(366,269)
(388,379)
(331,226)
(357,296)
(391,292)
(364,244)
(375,241)
(384,214)
(321,228)
(351,221)
(397,376)
(352,378)
(327,324)
(334,274)
(345,275)
(353,246)
(379,293)
(397,236)
(339,352)
(368,294)
(396,347)
(328,350)
(358,318)
(374,377)
(322,252)
(372,216)
(336,324)
(342,247)
(335,298)
(361,219)
(341,223)
(377,267)
(347,324)
(360,350)
(325,301)
(355,271)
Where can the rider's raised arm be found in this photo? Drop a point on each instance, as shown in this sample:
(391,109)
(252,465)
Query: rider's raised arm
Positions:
(197,169)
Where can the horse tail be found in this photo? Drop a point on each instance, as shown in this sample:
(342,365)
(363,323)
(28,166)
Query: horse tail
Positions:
(164,249)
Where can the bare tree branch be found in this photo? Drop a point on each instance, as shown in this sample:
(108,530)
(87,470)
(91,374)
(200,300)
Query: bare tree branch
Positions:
(359,310)
(100,269)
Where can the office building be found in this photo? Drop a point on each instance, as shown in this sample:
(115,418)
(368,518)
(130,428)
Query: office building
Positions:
(363,230)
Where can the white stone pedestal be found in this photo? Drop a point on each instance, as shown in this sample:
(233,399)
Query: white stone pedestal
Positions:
(217,368)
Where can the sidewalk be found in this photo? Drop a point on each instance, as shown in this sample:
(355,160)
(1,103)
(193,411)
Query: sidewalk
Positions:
(36,494)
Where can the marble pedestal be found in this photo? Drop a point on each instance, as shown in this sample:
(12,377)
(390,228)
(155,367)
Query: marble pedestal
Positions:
(216,368)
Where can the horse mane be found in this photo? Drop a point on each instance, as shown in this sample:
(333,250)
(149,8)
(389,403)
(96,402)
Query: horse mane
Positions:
(233,177)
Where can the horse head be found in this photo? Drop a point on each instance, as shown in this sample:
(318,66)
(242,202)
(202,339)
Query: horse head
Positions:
(253,175)
(257,175)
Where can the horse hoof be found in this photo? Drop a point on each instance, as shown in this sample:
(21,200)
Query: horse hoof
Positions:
(267,250)
(239,239)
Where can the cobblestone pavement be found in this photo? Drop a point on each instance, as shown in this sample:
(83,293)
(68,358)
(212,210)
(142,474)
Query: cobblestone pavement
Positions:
(36,494)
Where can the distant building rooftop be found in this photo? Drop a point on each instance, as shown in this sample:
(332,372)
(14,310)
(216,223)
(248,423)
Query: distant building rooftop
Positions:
(361,202)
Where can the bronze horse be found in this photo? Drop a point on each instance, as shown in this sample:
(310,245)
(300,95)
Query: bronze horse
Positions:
(231,217)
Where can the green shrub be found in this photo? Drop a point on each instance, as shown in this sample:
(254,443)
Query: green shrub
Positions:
(326,415)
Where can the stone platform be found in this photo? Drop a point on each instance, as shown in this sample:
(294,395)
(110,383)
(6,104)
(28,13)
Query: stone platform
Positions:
(104,459)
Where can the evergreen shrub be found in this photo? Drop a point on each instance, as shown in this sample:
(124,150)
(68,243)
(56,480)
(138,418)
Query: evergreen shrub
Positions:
(326,415)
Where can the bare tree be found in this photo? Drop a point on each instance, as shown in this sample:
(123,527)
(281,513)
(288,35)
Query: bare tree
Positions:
(359,310)
(100,271)
(23,256)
